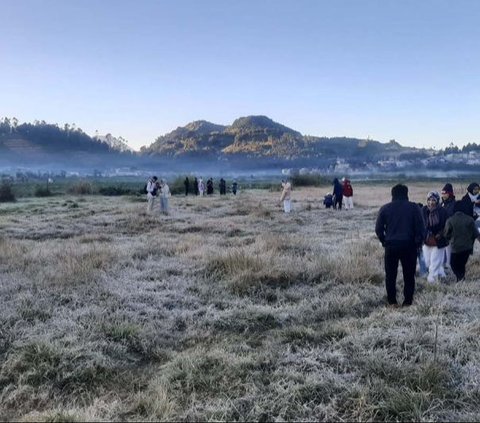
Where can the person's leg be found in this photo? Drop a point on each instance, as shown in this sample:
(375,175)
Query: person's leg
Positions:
(150,201)
(422,267)
(427,255)
(165,206)
(409,260)
(287,205)
(436,262)
(391,269)
(459,262)
(448,253)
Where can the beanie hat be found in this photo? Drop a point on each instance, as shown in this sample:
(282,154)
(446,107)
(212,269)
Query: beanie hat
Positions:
(447,189)
(433,195)
(400,192)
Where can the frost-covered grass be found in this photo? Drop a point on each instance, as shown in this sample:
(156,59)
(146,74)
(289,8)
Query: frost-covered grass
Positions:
(226,309)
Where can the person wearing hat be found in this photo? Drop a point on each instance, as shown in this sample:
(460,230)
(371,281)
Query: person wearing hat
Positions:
(448,202)
(435,218)
(401,230)
(461,231)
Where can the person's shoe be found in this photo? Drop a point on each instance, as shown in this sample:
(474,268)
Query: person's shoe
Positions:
(406,304)
(393,305)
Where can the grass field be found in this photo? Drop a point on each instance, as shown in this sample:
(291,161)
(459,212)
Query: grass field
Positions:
(227,309)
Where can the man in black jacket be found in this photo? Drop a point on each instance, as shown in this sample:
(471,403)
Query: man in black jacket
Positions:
(401,230)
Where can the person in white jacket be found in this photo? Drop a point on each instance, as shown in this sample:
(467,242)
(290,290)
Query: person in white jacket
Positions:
(164,196)
(151,193)
(286,196)
(201,187)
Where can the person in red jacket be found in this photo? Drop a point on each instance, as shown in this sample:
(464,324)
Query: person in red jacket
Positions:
(347,194)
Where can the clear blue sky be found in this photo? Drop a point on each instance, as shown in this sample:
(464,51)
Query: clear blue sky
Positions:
(402,69)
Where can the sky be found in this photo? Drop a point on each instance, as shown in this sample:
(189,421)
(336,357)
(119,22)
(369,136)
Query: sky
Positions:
(407,70)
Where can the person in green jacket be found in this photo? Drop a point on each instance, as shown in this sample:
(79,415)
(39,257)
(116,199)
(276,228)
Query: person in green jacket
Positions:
(461,231)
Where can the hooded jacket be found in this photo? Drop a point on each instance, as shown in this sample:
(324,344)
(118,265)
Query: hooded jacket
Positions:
(400,223)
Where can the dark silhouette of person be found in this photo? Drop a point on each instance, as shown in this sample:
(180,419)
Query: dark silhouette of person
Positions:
(195,186)
(337,194)
(234,187)
(401,230)
(210,186)
(186,182)
(223,187)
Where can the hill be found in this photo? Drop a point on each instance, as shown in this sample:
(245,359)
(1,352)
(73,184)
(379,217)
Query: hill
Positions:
(45,143)
(260,137)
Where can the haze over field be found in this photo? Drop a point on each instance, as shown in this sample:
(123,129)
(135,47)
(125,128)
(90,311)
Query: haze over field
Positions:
(372,69)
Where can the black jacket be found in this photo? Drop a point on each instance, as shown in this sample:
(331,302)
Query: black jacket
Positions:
(400,224)
(469,206)
(436,230)
(448,205)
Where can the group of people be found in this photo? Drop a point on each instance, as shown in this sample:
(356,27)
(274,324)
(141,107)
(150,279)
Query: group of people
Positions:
(156,188)
(342,193)
(200,188)
(440,235)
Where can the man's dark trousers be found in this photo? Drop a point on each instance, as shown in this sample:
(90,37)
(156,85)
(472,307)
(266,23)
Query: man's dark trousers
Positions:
(407,256)
(458,262)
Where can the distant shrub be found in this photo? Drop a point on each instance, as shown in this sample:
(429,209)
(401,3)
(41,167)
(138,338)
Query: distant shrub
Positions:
(80,188)
(41,191)
(177,185)
(309,180)
(115,190)
(6,193)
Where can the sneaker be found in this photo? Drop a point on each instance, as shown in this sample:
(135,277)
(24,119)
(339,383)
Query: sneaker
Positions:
(431,280)
(406,304)
(394,305)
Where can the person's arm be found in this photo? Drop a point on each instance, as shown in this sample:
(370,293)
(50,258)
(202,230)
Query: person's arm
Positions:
(420,229)
(447,232)
(380,226)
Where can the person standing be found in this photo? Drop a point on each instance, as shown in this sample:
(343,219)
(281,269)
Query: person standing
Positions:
(448,203)
(461,231)
(234,187)
(210,186)
(151,193)
(201,187)
(435,218)
(337,194)
(472,202)
(186,182)
(347,193)
(286,196)
(195,186)
(400,229)
(164,196)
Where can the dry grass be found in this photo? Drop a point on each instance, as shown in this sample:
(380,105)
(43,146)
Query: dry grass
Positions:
(227,309)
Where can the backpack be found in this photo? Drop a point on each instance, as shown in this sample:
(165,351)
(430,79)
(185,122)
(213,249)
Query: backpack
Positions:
(154,191)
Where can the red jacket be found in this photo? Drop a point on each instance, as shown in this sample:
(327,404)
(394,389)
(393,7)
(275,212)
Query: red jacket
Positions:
(347,188)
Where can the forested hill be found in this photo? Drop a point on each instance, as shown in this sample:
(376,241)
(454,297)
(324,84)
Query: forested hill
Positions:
(261,137)
(41,139)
